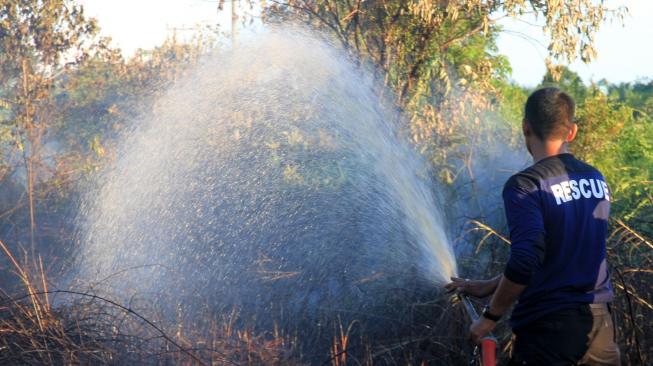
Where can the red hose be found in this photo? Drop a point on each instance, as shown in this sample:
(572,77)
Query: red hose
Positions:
(489,351)
(489,343)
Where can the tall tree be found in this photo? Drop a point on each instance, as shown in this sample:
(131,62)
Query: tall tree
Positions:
(440,57)
(39,39)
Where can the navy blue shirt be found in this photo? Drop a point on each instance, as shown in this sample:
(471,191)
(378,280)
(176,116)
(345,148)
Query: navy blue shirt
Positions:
(557,212)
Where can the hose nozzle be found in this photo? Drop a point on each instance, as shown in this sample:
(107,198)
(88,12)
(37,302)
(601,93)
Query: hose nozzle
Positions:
(488,346)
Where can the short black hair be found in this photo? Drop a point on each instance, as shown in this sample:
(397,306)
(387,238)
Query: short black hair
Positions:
(549,113)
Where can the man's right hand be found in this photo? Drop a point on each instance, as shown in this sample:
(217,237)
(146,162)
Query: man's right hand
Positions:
(476,288)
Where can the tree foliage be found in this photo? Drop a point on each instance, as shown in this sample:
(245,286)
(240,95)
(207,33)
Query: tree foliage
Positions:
(38,40)
(440,57)
(64,97)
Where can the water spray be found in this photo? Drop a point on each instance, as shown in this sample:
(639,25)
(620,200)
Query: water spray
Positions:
(273,178)
(488,346)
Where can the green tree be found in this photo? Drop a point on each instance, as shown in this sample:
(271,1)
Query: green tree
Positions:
(569,81)
(639,95)
(440,58)
(620,143)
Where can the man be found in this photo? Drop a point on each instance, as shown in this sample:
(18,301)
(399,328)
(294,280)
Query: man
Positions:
(557,212)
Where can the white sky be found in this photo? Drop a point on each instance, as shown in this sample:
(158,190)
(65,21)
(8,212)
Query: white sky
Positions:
(624,52)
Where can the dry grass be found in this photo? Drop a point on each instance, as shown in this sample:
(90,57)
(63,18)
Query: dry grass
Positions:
(630,255)
(85,328)
(93,330)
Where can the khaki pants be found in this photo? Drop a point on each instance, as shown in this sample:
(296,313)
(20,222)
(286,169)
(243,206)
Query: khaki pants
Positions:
(582,335)
(602,347)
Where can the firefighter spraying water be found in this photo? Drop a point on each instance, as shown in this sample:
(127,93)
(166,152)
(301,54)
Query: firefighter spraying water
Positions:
(557,212)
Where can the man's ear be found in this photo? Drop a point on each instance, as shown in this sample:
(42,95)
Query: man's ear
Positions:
(571,135)
(526,129)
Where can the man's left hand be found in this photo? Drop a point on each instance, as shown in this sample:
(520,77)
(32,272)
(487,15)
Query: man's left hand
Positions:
(481,328)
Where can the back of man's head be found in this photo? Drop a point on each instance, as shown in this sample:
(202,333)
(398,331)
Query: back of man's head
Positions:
(549,113)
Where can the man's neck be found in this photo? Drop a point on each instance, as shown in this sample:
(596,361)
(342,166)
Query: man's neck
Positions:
(548,148)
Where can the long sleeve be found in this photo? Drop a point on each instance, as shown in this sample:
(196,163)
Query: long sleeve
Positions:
(525,220)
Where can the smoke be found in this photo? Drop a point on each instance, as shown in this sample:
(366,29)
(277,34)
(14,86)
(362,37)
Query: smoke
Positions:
(492,150)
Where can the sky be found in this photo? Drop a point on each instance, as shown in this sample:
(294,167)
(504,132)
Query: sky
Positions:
(623,54)
(624,51)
